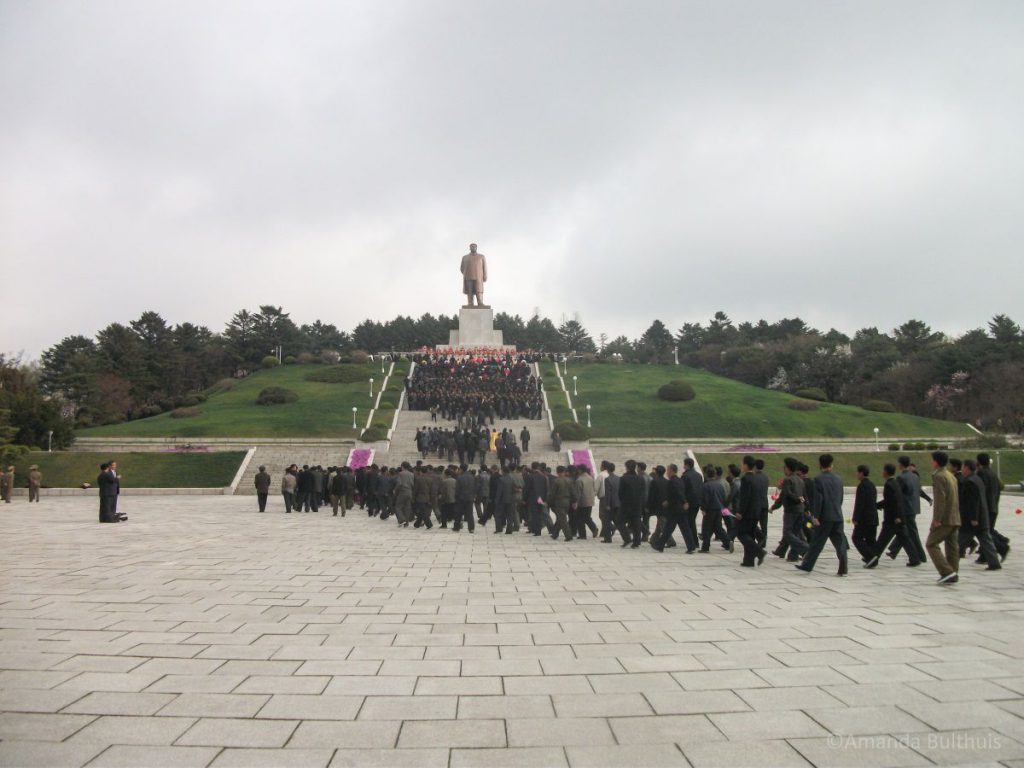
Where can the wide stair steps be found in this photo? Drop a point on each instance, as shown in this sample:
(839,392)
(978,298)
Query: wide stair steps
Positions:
(277,457)
(403,441)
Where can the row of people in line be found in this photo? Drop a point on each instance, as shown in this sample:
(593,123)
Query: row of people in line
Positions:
(735,506)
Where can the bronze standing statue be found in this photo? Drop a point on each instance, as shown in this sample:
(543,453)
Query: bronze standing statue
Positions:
(474,275)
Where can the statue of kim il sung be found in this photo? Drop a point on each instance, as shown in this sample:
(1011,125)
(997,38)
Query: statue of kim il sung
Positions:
(474,275)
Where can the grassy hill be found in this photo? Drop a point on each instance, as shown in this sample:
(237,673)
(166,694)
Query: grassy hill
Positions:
(625,403)
(1011,463)
(322,409)
(140,470)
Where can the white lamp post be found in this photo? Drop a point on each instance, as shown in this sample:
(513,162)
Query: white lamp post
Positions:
(565,365)
(574,386)
(49,441)
(588,415)
(371,386)
(675,354)
(382,365)
(354,409)
(876,439)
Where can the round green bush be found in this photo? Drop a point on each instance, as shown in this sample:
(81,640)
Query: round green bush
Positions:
(570,430)
(359,357)
(373,435)
(880,406)
(289,360)
(894,446)
(270,361)
(305,358)
(933,446)
(149,410)
(338,374)
(812,393)
(276,396)
(802,405)
(676,391)
(185,413)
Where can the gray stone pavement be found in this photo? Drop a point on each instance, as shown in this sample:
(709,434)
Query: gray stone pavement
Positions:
(202,633)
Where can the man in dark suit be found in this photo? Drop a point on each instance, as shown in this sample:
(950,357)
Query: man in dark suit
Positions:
(712,502)
(671,508)
(524,438)
(109,486)
(465,494)
(748,515)
(762,485)
(631,500)
(827,517)
(693,488)
(262,483)
(893,516)
(910,486)
(974,515)
(792,499)
(993,491)
(865,514)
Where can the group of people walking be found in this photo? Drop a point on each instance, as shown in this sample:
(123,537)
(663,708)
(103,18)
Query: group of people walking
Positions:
(642,506)
(470,443)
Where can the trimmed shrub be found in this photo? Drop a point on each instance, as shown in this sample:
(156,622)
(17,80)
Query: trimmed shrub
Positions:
(289,360)
(880,406)
(802,405)
(338,374)
(374,434)
(329,357)
(305,358)
(185,413)
(894,446)
(149,410)
(276,396)
(932,447)
(385,406)
(812,393)
(269,362)
(188,401)
(570,430)
(676,392)
(359,357)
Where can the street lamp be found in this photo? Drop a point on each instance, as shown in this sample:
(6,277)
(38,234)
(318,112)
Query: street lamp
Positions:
(382,365)
(876,439)
(675,354)
(574,386)
(371,386)
(354,409)
(49,441)
(565,365)
(588,415)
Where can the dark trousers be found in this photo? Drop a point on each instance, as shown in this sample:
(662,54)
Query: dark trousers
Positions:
(823,532)
(464,513)
(710,527)
(422,510)
(864,538)
(261,499)
(629,526)
(793,539)
(897,533)
(504,517)
(688,527)
(666,526)
(746,532)
(607,516)
(289,501)
(910,526)
(561,523)
(583,521)
(107,509)
(985,544)
(762,529)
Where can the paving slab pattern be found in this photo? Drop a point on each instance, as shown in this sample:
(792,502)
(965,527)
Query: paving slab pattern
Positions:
(202,633)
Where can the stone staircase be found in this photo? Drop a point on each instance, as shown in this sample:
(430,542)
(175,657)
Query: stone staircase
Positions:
(403,441)
(277,457)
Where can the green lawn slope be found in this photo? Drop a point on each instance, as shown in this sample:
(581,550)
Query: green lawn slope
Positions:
(322,409)
(625,404)
(140,470)
(1011,463)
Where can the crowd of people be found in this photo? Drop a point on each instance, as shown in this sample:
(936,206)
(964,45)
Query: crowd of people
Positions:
(7,476)
(641,506)
(477,389)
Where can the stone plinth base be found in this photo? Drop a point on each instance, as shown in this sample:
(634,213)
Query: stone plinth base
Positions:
(476,329)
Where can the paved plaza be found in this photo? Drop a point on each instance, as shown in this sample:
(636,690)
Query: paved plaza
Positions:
(202,633)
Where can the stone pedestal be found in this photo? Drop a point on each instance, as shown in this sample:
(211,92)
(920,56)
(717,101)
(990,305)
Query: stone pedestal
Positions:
(476,329)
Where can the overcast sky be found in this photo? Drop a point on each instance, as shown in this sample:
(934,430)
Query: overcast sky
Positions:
(854,163)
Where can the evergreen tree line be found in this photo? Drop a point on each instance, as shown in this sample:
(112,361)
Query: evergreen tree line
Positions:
(147,366)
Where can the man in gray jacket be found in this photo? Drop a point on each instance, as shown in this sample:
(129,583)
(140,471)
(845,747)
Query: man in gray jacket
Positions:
(827,517)
(403,494)
(465,494)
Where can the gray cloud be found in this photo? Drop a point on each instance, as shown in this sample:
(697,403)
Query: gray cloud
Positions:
(626,161)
